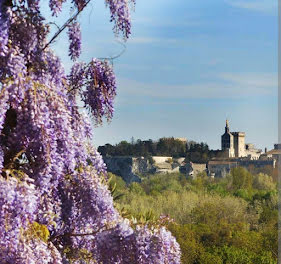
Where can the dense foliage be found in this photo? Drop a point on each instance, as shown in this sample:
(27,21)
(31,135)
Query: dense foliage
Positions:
(55,206)
(225,221)
(192,151)
(162,147)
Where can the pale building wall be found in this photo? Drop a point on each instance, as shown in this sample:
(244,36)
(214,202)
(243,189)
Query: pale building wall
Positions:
(184,140)
(253,154)
(180,160)
(239,144)
(158,159)
(230,153)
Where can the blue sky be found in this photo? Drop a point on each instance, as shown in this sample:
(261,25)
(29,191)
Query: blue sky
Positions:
(188,66)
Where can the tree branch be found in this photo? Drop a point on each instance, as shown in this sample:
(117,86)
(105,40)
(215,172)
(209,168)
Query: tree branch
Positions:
(61,29)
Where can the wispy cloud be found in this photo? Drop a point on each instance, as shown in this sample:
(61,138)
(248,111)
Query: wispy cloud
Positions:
(251,80)
(226,85)
(151,40)
(265,6)
(156,22)
(213,62)
(144,68)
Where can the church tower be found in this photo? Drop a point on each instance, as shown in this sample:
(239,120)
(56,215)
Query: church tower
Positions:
(227,142)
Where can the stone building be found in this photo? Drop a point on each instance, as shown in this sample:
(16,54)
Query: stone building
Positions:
(233,143)
(128,168)
(252,152)
(191,170)
(220,168)
(227,142)
(239,144)
(131,168)
(274,153)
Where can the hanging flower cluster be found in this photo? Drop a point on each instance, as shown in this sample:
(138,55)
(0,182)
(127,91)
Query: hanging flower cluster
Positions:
(74,34)
(54,204)
(120,15)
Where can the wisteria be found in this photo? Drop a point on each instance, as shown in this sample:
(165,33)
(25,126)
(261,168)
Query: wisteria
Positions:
(56,6)
(120,15)
(100,90)
(4,24)
(75,40)
(55,206)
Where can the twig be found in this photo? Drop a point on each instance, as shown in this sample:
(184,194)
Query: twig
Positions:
(65,25)
(116,56)
(53,23)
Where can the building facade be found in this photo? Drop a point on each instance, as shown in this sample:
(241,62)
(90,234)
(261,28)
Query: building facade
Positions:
(227,142)
(220,168)
(233,143)
(239,144)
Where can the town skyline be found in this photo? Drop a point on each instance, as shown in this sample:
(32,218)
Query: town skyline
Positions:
(220,147)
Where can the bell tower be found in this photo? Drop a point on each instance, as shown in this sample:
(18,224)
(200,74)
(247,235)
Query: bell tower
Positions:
(226,127)
(227,141)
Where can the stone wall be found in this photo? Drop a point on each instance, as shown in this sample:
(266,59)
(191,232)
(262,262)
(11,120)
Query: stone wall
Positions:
(128,167)
(220,168)
(257,163)
(192,169)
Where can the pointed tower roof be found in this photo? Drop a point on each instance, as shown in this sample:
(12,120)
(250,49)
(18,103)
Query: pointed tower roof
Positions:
(227,127)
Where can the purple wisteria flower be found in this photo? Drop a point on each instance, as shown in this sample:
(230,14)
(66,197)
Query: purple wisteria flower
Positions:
(74,35)
(4,29)
(120,15)
(54,204)
(56,6)
(100,90)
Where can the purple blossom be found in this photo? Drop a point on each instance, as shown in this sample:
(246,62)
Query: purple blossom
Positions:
(100,91)
(4,29)
(74,35)
(56,6)
(120,15)
(49,172)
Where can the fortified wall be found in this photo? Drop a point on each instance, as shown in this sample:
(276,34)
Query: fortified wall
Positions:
(128,167)
(220,168)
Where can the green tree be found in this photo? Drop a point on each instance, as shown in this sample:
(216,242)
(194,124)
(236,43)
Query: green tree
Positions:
(241,179)
(263,181)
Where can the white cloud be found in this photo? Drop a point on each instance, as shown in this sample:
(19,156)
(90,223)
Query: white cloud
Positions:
(226,85)
(265,6)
